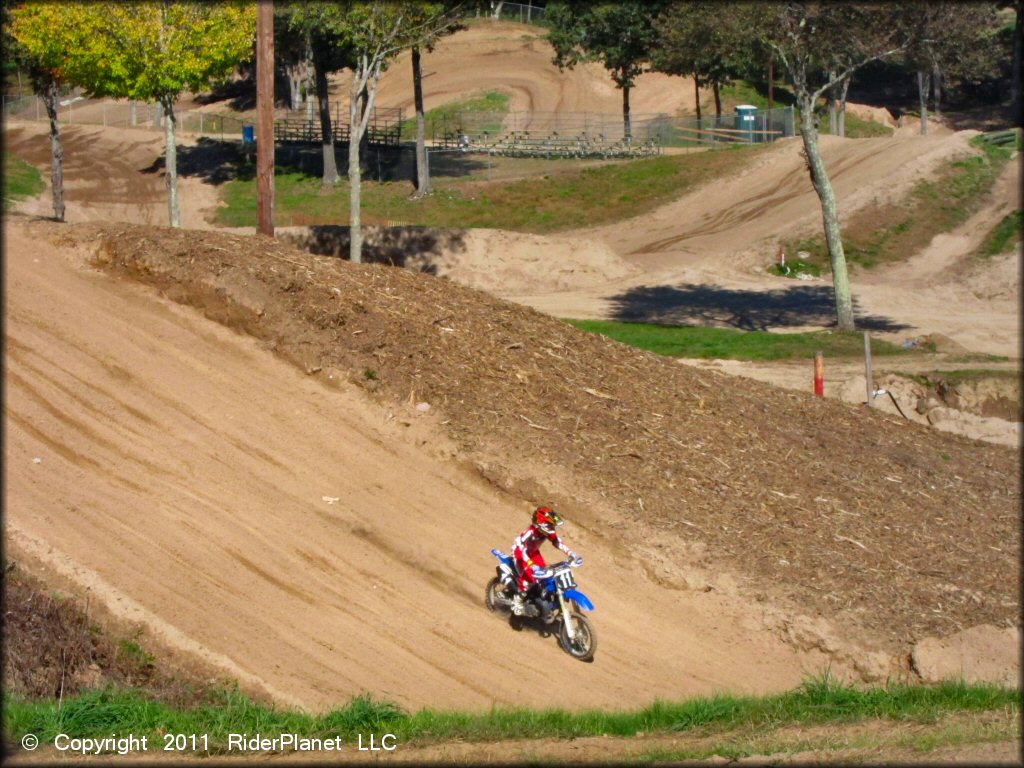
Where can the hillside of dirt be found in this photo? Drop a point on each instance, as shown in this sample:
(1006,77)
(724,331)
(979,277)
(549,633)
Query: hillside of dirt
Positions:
(856,536)
(291,469)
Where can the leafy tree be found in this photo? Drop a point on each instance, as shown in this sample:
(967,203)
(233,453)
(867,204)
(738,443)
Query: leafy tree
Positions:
(154,51)
(947,38)
(323,28)
(709,41)
(620,35)
(376,32)
(820,45)
(437,19)
(42,37)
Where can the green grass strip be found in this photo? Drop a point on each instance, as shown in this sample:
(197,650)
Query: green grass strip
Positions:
(818,700)
(483,113)
(1004,236)
(730,344)
(573,197)
(21,180)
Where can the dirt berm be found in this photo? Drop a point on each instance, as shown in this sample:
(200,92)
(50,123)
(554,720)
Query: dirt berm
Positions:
(851,529)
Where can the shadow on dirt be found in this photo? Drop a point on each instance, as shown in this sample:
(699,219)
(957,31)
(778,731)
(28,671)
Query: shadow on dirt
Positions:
(211,160)
(417,248)
(690,304)
(215,161)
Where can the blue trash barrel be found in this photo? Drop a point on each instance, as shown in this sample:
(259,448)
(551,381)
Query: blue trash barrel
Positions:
(248,134)
(745,122)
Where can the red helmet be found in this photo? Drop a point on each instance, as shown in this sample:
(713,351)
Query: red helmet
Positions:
(546,520)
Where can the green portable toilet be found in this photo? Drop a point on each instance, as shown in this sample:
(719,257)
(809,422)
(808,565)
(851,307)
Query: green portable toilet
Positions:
(745,122)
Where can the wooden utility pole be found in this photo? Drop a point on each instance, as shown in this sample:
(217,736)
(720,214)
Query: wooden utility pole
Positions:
(265,117)
(867,368)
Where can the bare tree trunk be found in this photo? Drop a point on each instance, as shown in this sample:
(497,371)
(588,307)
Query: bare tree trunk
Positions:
(1015,88)
(330,177)
(422,170)
(364,137)
(696,91)
(171,162)
(830,98)
(718,99)
(627,128)
(497,10)
(310,82)
(843,90)
(50,95)
(937,91)
(355,180)
(922,97)
(293,69)
(829,215)
(364,80)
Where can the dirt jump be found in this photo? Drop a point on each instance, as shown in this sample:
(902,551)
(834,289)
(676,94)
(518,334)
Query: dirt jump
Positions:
(291,469)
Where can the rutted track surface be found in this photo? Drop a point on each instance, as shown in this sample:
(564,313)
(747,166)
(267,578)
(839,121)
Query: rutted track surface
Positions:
(182,476)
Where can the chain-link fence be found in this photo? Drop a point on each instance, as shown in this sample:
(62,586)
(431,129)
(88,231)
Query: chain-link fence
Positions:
(76,110)
(750,127)
(523,13)
(663,130)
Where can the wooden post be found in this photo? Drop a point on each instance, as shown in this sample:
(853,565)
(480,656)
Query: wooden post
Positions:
(867,368)
(265,117)
(819,374)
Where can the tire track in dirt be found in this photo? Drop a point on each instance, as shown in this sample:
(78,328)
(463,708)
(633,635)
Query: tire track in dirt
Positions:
(192,501)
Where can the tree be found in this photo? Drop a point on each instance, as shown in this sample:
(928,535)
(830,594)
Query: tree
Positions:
(323,27)
(437,19)
(620,35)
(42,39)
(375,31)
(947,38)
(154,51)
(706,40)
(820,45)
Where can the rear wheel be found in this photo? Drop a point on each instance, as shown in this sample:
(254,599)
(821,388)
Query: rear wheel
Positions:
(496,598)
(583,643)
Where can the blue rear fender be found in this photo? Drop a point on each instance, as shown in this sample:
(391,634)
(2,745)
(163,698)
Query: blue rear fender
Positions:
(582,600)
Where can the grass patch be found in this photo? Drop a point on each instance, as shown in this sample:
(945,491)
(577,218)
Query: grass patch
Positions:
(819,700)
(579,195)
(487,112)
(881,234)
(21,180)
(754,93)
(857,127)
(729,344)
(878,737)
(794,269)
(1004,236)
(954,377)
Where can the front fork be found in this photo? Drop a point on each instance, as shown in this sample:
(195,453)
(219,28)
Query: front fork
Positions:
(570,630)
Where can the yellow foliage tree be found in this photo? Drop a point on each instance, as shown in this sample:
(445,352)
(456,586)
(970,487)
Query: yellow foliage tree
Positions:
(149,51)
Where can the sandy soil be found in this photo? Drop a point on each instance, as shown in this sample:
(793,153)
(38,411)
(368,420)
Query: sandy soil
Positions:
(515,59)
(274,544)
(163,492)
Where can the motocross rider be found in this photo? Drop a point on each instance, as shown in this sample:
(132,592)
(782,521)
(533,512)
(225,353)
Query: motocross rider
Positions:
(530,563)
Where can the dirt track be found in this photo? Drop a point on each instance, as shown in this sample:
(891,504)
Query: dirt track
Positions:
(171,497)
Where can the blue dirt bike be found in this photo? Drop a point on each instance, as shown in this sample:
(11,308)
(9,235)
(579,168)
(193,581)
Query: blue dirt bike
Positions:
(558,601)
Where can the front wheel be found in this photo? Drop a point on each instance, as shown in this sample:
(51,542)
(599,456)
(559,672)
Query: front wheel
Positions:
(496,597)
(583,643)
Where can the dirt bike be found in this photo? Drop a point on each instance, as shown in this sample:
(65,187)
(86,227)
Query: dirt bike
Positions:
(558,602)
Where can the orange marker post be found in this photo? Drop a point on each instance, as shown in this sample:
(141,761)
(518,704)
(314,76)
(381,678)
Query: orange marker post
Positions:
(819,374)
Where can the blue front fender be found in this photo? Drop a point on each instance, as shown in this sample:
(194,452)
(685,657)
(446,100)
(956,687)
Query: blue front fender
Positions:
(580,598)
